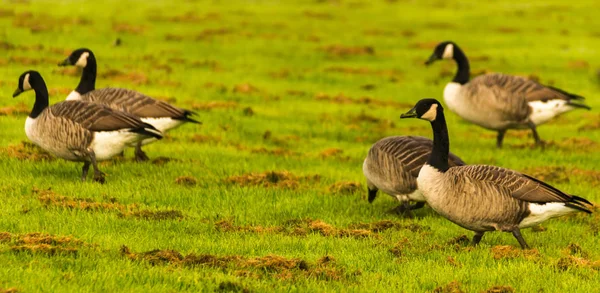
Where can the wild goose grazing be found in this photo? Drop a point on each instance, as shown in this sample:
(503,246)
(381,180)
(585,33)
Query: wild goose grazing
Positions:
(392,166)
(77,130)
(160,114)
(500,102)
(484,198)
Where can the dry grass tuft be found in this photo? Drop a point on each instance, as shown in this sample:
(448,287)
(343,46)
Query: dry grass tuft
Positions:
(345,51)
(272,179)
(568,262)
(215,105)
(186,181)
(27,151)
(9,290)
(510,252)
(452,287)
(42,243)
(128,28)
(20,109)
(499,289)
(274,266)
(345,188)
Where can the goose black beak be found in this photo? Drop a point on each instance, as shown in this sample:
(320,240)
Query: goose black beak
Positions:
(17,92)
(431,59)
(65,62)
(410,114)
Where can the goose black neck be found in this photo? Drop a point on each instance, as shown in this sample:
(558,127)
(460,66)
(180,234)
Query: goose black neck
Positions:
(463,72)
(441,143)
(88,78)
(41,99)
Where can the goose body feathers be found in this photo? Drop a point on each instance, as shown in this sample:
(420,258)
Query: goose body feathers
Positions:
(393,164)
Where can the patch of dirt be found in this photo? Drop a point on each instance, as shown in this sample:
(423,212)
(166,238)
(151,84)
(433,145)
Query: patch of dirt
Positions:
(462,240)
(6,13)
(9,290)
(331,152)
(453,262)
(68,71)
(365,71)
(363,117)
(31,61)
(128,28)
(568,262)
(499,289)
(136,78)
(318,15)
(27,151)
(510,252)
(380,226)
(215,105)
(186,181)
(423,45)
(44,22)
(49,198)
(154,215)
(228,286)
(507,30)
(272,179)
(578,64)
(160,161)
(42,243)
(245,88)
(345,188)
(273,266)
(593,124)
(61,91)
(198,138)
(188,17)
(575,249)
(210,33)
(452,287)
(560,174)
(20,109)
(343,99)
(345,51)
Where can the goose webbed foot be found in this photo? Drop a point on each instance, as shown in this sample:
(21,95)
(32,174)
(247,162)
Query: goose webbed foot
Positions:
(85,169)
(500,138)
(99,176)
(403,209)
(517,233)
(477,238)
(140,155)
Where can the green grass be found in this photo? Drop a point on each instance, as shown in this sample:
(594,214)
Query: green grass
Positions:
(279,47)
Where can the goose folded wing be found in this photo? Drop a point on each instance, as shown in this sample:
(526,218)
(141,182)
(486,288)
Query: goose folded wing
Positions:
(134,102)
(413,152)
(158,109)
(520,186)
(502,94)
(96,117)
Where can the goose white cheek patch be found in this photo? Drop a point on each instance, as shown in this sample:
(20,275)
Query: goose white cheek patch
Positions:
(431,113)
(26,84)
(82,61)
(448,52)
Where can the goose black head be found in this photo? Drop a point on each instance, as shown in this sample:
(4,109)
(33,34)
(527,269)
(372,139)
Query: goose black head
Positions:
(78,58)
(426,109)
(444,50)
(27,81)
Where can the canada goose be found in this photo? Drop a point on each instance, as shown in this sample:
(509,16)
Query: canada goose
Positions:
(77,130)
(500,102)
(160,114)
(484,198)
(392,166)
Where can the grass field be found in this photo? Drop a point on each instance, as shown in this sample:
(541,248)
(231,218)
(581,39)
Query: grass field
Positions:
(268,194)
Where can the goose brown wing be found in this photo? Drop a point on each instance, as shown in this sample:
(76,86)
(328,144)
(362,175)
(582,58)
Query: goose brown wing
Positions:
(501,93)
(135,103)
(411,151)
(520,186)
(96,117)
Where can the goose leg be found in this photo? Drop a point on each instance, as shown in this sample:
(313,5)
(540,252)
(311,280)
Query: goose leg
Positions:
(477,237)
(500,138)
(86,167)
(536,137)
(98,175)
(140,156)
(517,233)
(403,209)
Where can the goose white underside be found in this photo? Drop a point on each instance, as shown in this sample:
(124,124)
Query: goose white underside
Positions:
(543,212)
(415,195)
(162,124)
(107,144)
(74,96)
(542,112)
